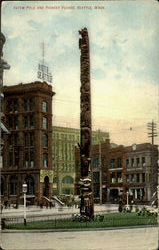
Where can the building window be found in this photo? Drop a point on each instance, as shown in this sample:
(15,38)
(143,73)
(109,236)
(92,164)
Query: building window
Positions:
(26,159)
(143,161)
(45,160)
(96,177)
(10,159)
(26,105)
(31,159)
(44,107)
(67,191)
(31,104)
(132,162)
(143,177)
(112,163)
(10,139)
(127,178)
(68,180)
(95,163)
(30,185)
(44,123)
(26,121)
(137,177)
(132,178)
(10,122)
(15,105)
(119,163)
(16,122)
(127,162)
(113,180)
(119,176)
(16,158)
(31,121)
(137,161)
(45,141)
(13,183)
(10,106)
(31,140)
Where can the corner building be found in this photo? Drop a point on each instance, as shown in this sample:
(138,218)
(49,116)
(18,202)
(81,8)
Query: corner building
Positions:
(28,148)
(64,141)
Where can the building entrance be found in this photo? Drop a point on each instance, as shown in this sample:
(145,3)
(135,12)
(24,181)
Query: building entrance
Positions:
(46,187)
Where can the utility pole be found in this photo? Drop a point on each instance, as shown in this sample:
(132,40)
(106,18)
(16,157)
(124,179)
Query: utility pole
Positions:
(152,132)
(100,166)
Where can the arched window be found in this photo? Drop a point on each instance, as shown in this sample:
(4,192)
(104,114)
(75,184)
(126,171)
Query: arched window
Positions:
(45,141)
(13,185)
(30,185)
(67,179)
(1,186)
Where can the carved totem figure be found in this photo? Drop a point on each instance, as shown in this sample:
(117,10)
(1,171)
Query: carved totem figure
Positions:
(87,206)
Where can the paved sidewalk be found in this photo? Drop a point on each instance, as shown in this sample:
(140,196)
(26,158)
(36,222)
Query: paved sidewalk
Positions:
(119,239)
(33,210)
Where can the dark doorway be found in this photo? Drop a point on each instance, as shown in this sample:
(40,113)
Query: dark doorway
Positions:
(114,195)
(46,187)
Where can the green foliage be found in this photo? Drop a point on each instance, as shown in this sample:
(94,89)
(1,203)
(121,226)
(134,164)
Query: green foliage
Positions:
(81,222)
(136,209)
(146,213)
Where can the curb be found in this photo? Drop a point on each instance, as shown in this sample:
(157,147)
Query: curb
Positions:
(76,230)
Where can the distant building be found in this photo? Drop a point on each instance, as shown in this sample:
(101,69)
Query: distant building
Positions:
(28,148)
(124,169)
(64,142)
(141,172)
(111,160)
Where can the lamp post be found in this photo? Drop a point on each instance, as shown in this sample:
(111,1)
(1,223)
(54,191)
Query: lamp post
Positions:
(24,191)
(127,200)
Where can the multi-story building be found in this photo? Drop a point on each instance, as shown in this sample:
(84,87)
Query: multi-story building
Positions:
(141,171)
(28,148)
(3,66)
(64,142)
(122,169)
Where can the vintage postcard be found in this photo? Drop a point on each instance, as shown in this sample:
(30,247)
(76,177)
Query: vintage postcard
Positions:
(42,46)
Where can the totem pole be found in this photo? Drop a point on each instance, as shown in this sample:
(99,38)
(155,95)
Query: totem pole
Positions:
(87,206)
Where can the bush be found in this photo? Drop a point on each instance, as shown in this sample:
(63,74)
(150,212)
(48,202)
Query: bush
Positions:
(136,209)
(120,209)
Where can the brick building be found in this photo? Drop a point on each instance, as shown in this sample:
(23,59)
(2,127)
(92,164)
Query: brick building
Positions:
(28,149)
(141,172)
(124,169)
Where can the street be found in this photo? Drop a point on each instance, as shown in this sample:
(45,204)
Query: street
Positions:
(118,239)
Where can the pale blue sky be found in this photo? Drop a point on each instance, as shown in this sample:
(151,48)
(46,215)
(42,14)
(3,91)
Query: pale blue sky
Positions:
(124,56)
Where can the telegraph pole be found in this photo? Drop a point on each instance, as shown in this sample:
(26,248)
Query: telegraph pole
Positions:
(100,166)
(152,133)
(152,130)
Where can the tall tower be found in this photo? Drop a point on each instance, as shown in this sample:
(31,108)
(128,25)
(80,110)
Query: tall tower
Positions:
(86,207)
(28,149)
